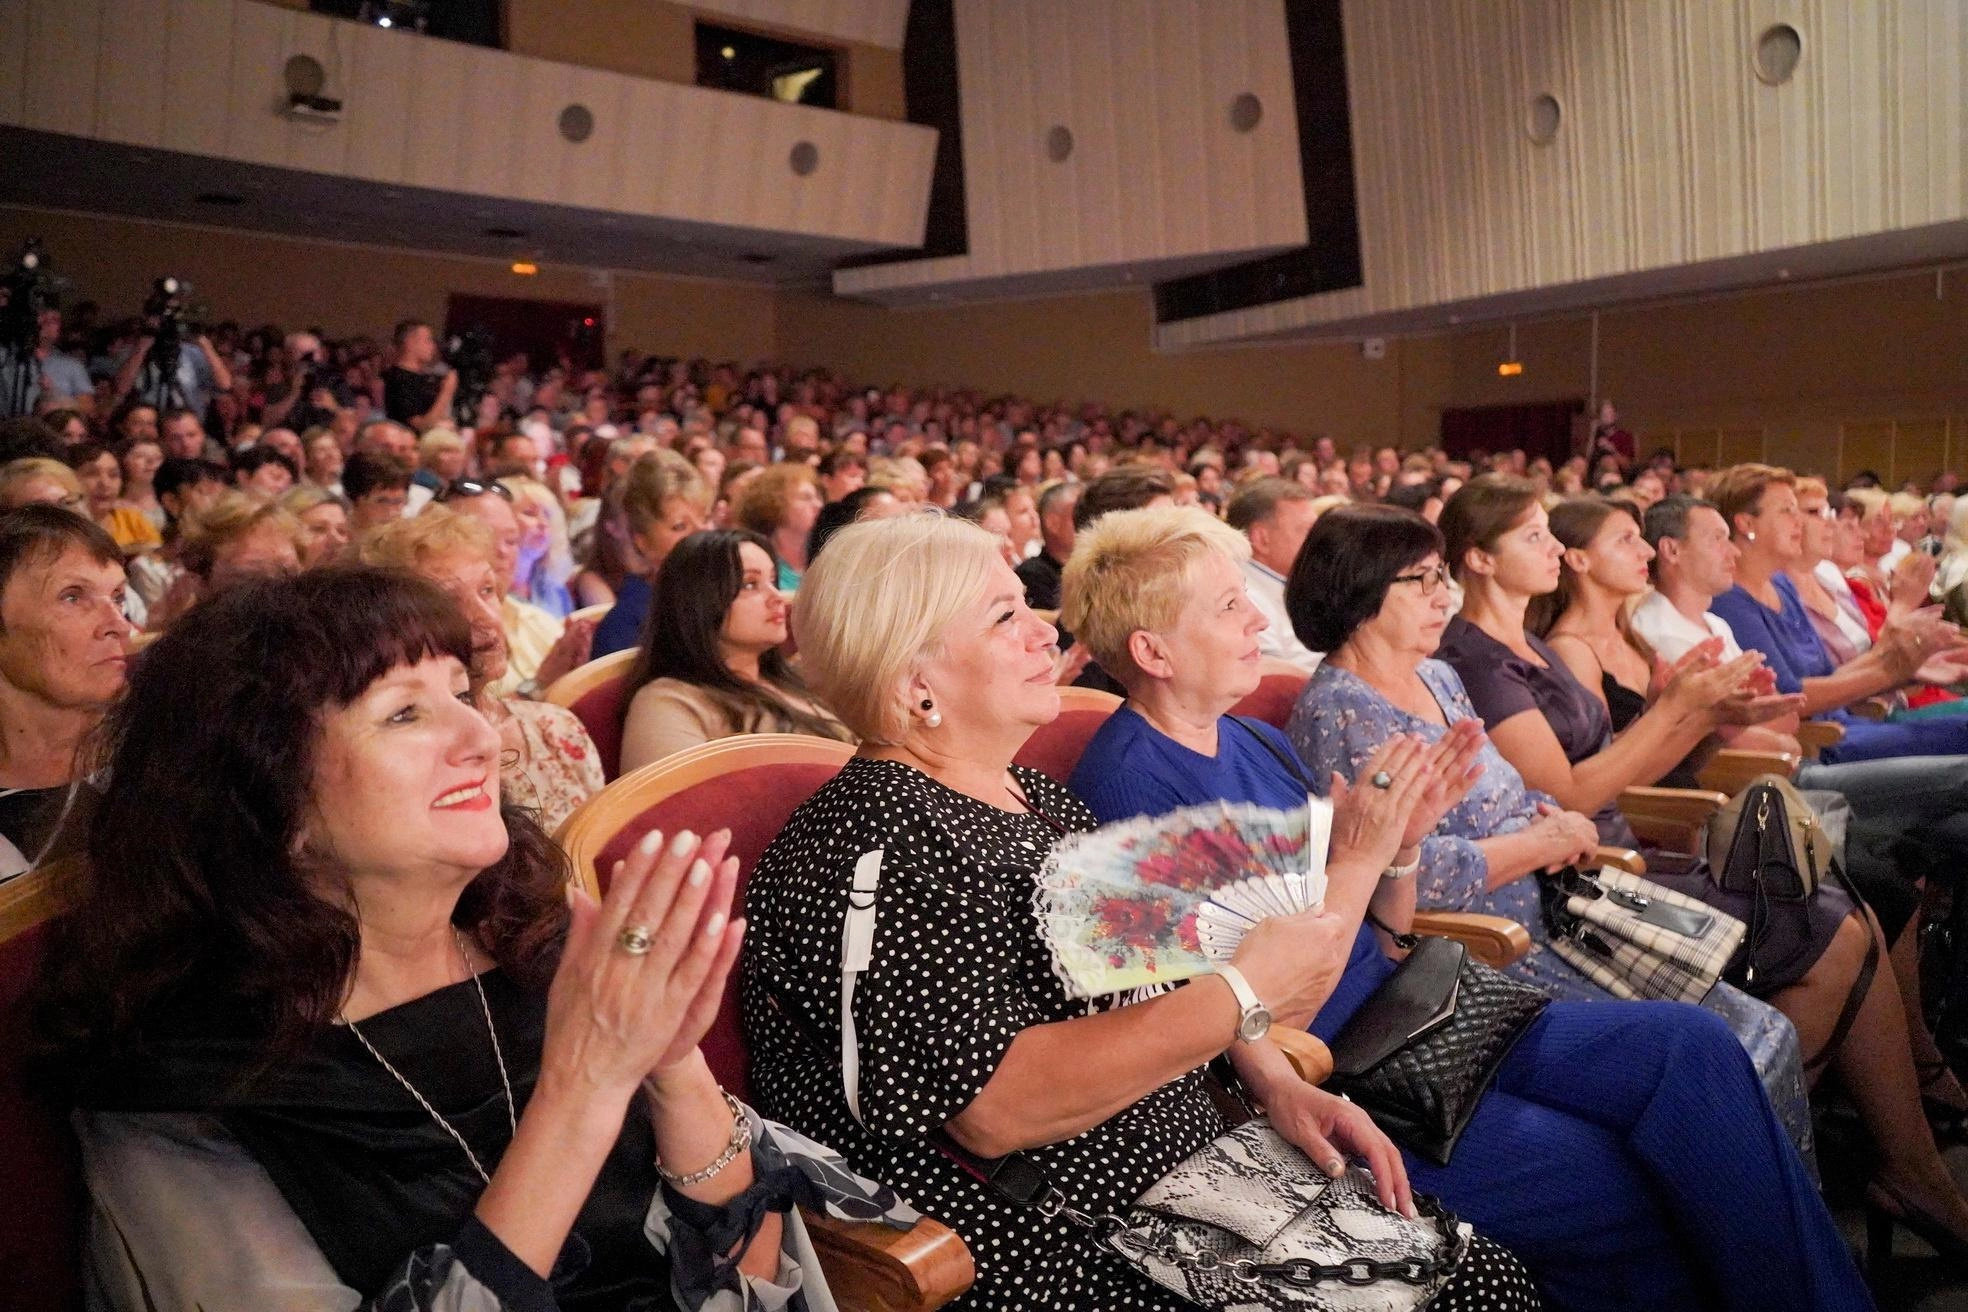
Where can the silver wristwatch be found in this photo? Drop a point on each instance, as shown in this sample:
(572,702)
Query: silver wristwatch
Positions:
(1254,1022)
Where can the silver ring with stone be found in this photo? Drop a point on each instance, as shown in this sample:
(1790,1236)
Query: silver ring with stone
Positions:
(1382,779)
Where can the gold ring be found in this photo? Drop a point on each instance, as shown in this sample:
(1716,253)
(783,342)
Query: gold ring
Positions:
(635,939)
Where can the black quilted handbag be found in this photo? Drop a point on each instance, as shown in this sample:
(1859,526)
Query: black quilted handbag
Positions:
(1419,1054)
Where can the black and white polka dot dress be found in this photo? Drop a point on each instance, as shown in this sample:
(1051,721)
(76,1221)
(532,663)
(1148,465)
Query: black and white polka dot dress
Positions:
(958,970)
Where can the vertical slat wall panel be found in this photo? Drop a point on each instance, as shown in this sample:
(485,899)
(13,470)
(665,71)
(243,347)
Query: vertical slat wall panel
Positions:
(1919,449)
(1156,171)
(1671,150)
(13,60)
(1866,445)
(197,38)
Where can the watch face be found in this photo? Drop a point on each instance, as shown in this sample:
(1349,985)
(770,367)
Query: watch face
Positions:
(1256,1023)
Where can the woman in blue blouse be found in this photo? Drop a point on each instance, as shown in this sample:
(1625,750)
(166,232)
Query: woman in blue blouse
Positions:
(1579,1159)
(1759,502)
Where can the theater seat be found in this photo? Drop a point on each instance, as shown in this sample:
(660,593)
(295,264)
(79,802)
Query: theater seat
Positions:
(751,785)
(1055,749)
(595,613)
(594,693)
(40,1169)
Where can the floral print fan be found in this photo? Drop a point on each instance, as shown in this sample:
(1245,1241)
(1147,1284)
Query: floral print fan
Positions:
(1164,898)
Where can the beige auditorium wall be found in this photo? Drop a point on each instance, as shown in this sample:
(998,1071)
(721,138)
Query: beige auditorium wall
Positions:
(1831,378)
(354,289)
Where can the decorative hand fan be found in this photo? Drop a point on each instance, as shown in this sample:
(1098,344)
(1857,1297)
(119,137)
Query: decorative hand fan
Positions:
(1163,898)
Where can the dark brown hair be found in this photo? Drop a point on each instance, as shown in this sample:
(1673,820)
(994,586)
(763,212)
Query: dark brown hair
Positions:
(1482,510)
(191,897)
(1575,521)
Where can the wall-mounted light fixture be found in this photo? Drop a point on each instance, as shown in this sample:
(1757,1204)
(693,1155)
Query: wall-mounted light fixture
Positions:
(1511,366)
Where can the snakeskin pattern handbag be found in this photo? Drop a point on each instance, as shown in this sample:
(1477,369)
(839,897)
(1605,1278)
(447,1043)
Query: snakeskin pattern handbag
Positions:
(1247,1222)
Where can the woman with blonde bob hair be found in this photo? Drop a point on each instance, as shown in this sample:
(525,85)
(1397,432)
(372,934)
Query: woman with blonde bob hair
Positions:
(916,632)
(548,761)
(1159,595)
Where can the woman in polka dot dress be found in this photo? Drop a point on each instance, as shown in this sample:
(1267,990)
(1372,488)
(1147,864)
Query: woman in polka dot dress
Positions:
(916,633)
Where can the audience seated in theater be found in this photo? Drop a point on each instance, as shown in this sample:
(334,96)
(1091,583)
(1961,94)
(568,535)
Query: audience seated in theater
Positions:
(1275,514)
(263,473)
(331,1021)
(1763,609)
(916,632)
(547,762)
(64,646)
(664,501)
(101,476)
(710,664)
(780,505)
(539,648)
(1371,588)
(324,521)
(1556,729)
(1159,595)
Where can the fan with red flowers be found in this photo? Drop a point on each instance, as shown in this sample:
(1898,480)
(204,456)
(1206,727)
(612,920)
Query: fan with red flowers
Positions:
(1164,898)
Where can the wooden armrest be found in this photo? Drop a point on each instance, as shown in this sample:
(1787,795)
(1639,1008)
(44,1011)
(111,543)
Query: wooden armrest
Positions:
(1670,818)
(1730,771)
(1621,858)
(1493,940)
(1307,1053)
(1816,735)
(871,1266)
(1871,708)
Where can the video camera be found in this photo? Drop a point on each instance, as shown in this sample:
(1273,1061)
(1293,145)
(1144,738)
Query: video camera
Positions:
(169,305)
(471,354)
(27,290)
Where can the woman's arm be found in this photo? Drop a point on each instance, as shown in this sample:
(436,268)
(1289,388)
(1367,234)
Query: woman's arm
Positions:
(1651,746)
(693,1125)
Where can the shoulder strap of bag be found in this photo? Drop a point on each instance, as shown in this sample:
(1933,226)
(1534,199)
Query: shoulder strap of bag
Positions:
(1854,999)
(857,950)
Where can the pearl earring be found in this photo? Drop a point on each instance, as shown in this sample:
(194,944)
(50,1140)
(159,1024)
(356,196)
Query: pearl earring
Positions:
(933,719)
(1749,537)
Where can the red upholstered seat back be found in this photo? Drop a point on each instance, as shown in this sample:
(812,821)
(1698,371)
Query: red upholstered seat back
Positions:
(753,802)
(1055,749)
(599,710)
(1272,700)
(40,1170)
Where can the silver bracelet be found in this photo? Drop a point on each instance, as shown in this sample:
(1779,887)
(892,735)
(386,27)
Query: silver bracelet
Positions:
(741,1139)
(1402,872)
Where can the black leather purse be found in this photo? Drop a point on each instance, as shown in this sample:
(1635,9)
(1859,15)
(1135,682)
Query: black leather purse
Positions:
(1420,1053)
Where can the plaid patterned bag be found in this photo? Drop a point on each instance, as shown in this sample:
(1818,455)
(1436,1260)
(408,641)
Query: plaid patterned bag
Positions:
(1635,938)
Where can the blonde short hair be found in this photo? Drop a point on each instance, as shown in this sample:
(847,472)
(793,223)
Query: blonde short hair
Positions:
(1871,502)
(437,440)
(655,479)
(16,472)
(439,531)
(871,610)
(1132,570)
(204,534)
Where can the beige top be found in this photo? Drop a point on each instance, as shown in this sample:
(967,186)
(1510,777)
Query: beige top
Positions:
(667,715)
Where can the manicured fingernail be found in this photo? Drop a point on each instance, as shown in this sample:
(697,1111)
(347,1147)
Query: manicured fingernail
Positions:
(715,925)
(683,843)
(652,842)
(1335,1167)
(699,872)
(614,874)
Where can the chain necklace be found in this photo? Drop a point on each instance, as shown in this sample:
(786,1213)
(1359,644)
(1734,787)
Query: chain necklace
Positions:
(512,1118)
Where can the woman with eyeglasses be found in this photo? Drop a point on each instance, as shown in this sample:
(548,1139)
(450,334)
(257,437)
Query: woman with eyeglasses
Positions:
(1372,585)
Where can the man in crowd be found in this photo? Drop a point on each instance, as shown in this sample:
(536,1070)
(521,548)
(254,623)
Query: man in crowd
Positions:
(377,488)
(1275,514)
(415,393)
(54,377)
(1040,573)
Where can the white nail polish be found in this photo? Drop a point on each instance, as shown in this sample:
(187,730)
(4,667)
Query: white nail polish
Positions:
(715,925)
(699,872)
(651,842)
(684,842)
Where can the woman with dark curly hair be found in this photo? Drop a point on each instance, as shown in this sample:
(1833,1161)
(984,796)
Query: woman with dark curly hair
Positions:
(334,1033)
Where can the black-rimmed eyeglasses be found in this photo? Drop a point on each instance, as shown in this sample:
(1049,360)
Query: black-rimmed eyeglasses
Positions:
(459,488)
(1431,580)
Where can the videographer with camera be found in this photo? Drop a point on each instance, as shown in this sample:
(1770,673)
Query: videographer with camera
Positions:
(54,377)
(414,393)
(314,394)
(159,369)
